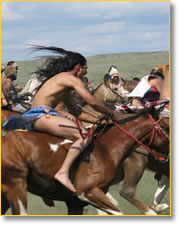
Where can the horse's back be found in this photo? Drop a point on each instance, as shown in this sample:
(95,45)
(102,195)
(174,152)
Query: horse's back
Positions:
(5,114)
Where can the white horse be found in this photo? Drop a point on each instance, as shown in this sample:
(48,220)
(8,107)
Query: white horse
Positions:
(31,86)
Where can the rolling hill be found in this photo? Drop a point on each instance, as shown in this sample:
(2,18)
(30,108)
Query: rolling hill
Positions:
(129,65)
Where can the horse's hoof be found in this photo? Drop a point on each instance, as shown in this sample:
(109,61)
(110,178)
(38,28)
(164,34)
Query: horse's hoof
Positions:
(160,208)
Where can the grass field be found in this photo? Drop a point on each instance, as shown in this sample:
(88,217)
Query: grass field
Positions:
(145,191)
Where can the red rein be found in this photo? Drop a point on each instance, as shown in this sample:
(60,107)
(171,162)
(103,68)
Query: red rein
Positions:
(156,126)
(152,137)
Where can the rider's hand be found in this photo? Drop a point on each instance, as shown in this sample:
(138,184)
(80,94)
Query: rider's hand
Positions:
(115,116)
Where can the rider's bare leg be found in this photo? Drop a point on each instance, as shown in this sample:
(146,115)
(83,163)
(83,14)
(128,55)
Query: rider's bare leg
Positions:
(63,173)
(55,125)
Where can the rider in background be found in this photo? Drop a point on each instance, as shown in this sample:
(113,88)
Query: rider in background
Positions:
(87,84)
(148,89)
(10,100)
(114,77)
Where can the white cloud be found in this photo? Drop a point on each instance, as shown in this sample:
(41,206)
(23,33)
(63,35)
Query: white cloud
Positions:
(105,27)
(8,14)
(152,35)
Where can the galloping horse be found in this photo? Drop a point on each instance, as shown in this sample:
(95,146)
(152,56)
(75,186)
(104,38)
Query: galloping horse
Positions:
(30,160)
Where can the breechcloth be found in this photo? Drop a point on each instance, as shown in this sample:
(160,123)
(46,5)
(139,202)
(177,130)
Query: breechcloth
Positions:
(26,120)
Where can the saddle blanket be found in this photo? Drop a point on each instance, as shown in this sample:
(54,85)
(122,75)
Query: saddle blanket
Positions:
(161,106)
(26,120)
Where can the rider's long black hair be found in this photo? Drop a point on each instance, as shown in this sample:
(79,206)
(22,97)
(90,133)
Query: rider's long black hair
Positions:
(62,61)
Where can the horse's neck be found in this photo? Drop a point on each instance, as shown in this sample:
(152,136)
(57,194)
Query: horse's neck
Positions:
(100,93)
(137,126)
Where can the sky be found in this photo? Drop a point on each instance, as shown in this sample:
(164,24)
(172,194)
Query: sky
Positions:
(88,27)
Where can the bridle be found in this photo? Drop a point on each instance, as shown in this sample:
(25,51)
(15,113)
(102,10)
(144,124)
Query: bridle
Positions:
(157,127)
(113,91)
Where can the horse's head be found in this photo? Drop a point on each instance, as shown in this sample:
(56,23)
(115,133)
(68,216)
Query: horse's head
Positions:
(163,69)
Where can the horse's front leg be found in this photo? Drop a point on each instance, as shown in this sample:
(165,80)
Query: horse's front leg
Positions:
(97,198)
(16,195)
(134,168)
(90,183)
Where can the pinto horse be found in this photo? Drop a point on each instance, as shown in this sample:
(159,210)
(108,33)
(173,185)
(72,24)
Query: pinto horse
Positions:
(30,160)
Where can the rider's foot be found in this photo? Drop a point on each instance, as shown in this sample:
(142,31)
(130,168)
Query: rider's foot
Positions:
(64,179)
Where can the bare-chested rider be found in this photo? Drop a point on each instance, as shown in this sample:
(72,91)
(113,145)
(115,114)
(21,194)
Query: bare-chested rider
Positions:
(64,73)
(12,100)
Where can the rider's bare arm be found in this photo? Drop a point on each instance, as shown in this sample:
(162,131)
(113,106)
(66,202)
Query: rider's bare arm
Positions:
(85,117)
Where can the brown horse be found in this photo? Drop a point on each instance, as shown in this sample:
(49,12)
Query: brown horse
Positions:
(5,114)
(30,160)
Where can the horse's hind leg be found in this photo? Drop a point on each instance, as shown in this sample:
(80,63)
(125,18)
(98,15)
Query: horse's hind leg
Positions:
(97,198)
(133,172)
(17,197)
(4,205)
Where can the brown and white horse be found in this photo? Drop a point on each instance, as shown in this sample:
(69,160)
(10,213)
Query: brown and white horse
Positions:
(30,160)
